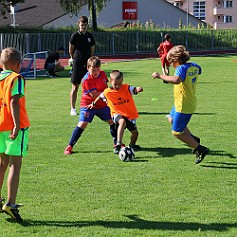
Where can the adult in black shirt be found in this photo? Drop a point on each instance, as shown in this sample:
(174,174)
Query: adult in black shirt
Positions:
(52,63)
(81,48)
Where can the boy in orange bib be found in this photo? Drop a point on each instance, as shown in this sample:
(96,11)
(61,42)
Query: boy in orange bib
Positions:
(14,124)
(122,108)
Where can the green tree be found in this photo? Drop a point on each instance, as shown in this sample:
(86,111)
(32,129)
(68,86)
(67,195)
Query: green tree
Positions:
(5,6)
(94,6)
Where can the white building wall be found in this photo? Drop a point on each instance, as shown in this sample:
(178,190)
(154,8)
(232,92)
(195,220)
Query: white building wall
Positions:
(162,14)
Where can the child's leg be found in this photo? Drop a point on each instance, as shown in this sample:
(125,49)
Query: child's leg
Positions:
(188,139)
(167,70)
(76,134)
(180,129)
(134,136)
(4,160)
(113,130)
(104,115)
(121,126)
(13,177)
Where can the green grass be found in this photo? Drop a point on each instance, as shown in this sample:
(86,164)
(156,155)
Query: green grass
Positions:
(163,193)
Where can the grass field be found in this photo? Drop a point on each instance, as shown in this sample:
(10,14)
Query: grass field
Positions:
(162,194)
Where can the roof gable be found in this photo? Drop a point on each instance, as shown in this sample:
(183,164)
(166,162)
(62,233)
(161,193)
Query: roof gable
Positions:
(39,12)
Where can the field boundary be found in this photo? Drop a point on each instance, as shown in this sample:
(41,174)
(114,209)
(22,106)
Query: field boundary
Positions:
(140,56)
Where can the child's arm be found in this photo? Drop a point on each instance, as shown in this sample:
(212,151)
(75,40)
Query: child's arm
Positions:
(95,94)
(15,112)
(90,106)
(169,79)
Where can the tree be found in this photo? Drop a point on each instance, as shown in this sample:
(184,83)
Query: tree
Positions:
(5,6)
(94,6)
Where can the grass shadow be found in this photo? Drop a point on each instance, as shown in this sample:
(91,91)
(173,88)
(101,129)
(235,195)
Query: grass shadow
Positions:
(135,223)
(220,165)
(167,151)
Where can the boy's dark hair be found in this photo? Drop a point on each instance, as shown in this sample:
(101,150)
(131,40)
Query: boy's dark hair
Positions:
(167,37)
(178,54)
(93,61)
(83,19)
(116,74)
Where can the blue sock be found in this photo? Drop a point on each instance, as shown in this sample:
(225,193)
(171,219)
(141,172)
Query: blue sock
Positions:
(75,136)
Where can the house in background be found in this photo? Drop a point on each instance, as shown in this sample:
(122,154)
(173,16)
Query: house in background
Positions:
(219,14)
(49,14)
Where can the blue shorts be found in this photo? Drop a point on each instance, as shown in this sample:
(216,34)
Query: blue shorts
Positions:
(180,121)
(87,115)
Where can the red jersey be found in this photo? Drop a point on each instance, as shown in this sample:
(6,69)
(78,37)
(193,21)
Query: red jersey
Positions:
(90,84)
(165,47)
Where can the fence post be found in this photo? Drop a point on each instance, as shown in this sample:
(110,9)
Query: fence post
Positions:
(39,42)
(1,41)
(112,42)
(137,40)
(64,43)
(186,39)
(27,35)
(212,40)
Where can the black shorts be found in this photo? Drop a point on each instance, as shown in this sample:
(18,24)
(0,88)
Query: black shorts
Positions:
(130,124)
(79,69)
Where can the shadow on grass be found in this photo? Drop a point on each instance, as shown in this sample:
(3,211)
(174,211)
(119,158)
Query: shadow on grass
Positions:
(220,165)
(153,113)
(168,151)
(166,113)
(135,223)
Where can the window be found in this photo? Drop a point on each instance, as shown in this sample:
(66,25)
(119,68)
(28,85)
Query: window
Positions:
(227,4)
(227,19)
(199,10)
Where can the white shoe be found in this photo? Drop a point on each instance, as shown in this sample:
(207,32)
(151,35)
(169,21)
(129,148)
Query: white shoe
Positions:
(73,112)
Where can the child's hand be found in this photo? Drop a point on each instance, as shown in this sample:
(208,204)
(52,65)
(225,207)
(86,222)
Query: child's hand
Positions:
(14,133)
(139,89)
(90,106)
(155,75)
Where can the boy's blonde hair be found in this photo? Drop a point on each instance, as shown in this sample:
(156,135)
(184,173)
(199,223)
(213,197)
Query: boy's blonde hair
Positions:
(116,75)
(94,61)
(10,56)
(178,54)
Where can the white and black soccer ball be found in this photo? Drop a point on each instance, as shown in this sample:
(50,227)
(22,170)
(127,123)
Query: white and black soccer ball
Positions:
(126,154)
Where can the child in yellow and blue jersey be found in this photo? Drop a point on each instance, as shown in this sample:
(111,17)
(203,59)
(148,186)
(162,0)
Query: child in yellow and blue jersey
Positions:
(185,82)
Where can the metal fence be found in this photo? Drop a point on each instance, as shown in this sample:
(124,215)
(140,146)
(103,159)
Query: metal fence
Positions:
(108,43)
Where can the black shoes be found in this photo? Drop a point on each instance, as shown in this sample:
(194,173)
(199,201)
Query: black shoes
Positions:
(201,152)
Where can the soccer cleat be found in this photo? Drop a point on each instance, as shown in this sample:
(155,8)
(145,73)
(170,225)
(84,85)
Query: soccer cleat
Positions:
(1,204)
(13,211)
(123,145)
(68,150)
(135,147)
(117,149)
(73,112)
(201,152)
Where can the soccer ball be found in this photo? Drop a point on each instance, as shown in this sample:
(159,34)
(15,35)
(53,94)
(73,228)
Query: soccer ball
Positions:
(70,62)
(126,154)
